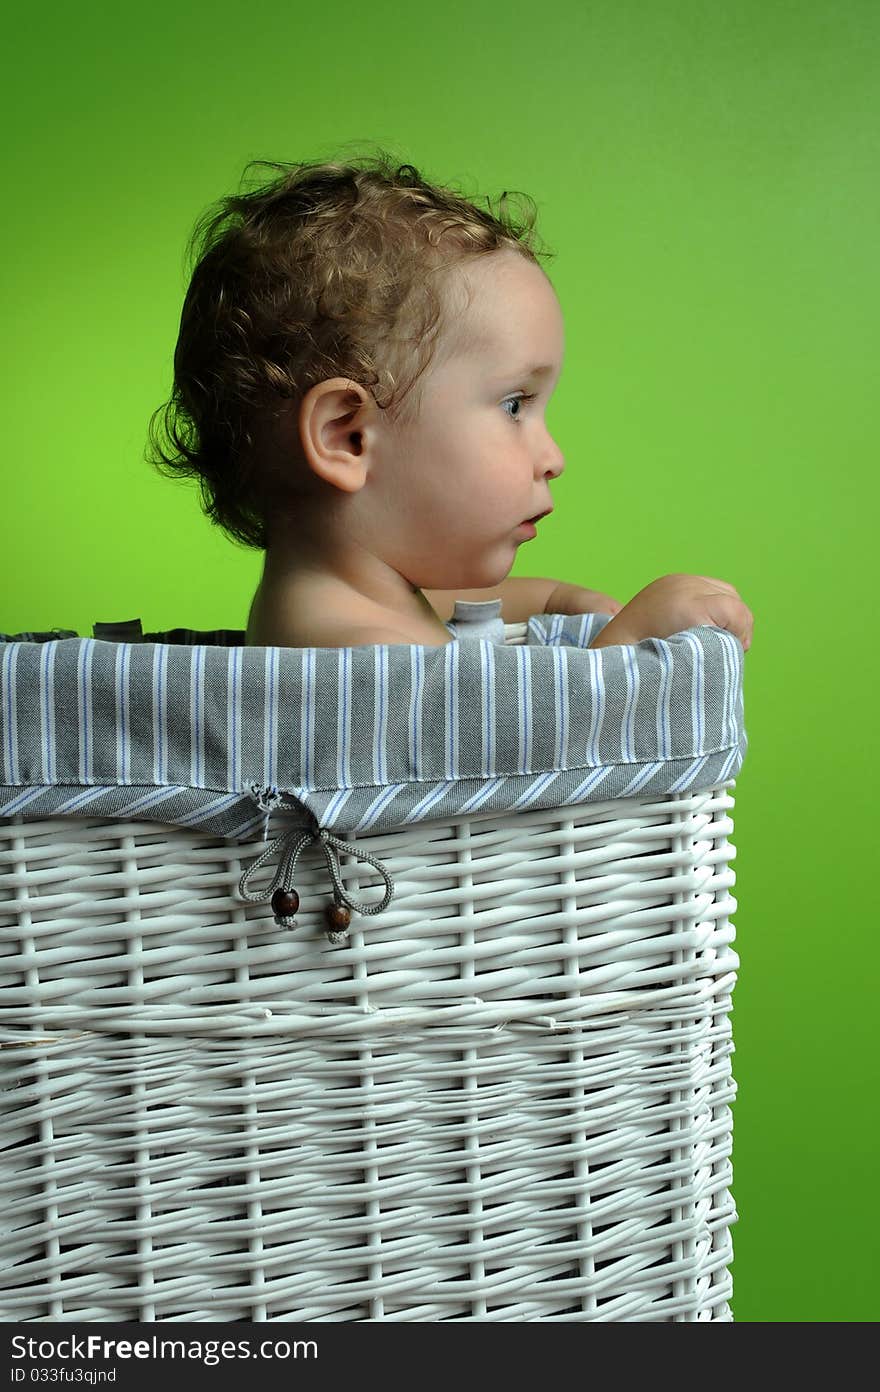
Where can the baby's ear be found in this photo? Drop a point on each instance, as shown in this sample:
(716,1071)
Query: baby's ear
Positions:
(332,422)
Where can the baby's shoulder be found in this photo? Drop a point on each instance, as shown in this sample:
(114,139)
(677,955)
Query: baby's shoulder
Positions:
(295,622)
(365,636)
(283,618)
(331,636)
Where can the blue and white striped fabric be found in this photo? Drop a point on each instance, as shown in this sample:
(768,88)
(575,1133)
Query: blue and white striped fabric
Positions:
(199,731)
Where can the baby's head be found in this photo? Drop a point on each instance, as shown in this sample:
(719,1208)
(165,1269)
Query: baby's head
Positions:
(350,342)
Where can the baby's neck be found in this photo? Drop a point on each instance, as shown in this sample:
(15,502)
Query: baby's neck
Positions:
(303,606)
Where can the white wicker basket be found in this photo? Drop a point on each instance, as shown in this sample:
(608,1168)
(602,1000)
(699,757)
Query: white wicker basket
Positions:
(506,1097)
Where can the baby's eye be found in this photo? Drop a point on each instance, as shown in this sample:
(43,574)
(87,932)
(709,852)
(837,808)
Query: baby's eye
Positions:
(517,401)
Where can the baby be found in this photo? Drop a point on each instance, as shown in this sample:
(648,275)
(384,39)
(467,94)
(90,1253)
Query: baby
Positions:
(361,376)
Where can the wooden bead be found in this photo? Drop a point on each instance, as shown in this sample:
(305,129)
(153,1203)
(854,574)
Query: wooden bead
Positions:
(285,903)
(338,917)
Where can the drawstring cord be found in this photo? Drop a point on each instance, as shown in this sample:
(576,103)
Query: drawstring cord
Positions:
(285,900)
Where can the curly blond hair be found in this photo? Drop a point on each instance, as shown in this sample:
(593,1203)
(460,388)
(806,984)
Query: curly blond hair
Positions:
(329,270)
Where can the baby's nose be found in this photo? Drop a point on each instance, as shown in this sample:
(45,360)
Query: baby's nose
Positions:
(557,464)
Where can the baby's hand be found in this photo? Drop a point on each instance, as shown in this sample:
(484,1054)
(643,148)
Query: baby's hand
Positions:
(675,602)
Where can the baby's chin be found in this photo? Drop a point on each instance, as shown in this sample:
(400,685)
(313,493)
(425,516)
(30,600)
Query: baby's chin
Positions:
(486,578)
(494,565)
(463,574)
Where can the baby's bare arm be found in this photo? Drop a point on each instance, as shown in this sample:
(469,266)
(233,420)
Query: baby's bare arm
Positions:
(524,595)
(616,631)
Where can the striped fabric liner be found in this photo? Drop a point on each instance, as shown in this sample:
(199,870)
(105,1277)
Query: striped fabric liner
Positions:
(197,730)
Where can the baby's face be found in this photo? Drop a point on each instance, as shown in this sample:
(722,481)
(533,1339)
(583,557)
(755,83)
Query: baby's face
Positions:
(479,460)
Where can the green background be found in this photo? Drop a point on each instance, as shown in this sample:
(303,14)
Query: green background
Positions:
(708,175)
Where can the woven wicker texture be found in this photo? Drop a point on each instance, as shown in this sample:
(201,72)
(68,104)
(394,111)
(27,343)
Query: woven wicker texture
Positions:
(505,1098)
